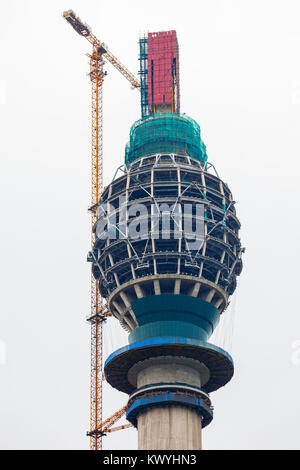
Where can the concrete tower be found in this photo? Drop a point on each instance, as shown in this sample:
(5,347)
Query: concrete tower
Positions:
(168,253)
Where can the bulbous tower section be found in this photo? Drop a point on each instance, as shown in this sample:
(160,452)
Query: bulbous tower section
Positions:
(166,256)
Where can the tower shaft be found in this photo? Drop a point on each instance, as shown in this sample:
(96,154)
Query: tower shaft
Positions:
(169,428)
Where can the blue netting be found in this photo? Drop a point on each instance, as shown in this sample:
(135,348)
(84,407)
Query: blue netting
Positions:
(165,132)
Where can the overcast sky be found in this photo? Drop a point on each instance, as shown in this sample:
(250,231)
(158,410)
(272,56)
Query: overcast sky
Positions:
(240,79)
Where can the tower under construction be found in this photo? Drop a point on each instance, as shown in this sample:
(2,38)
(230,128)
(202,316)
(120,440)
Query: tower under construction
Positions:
(166,255)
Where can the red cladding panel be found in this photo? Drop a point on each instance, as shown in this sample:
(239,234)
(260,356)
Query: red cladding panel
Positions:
(162,52)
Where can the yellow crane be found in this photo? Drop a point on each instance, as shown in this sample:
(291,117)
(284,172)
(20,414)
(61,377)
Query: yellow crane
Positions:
(99,312)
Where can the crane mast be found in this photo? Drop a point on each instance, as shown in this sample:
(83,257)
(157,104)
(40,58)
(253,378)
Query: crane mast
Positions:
(99,312)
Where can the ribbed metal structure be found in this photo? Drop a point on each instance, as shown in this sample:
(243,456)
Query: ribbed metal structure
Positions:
(130,269)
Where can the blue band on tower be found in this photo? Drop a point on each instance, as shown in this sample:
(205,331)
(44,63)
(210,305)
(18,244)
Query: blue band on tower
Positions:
(173,315)
(165,399)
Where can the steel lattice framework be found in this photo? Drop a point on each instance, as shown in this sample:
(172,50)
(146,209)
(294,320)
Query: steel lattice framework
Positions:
(99,312)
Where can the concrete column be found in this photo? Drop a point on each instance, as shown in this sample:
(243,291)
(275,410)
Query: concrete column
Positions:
(169,428)
(169,372)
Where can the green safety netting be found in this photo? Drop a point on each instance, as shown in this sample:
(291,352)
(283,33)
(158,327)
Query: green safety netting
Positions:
(165,132)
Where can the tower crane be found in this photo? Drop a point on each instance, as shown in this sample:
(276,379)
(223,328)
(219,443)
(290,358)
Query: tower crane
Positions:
(99,311)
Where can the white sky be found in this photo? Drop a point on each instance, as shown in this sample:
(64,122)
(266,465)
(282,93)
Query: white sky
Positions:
(240,79)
